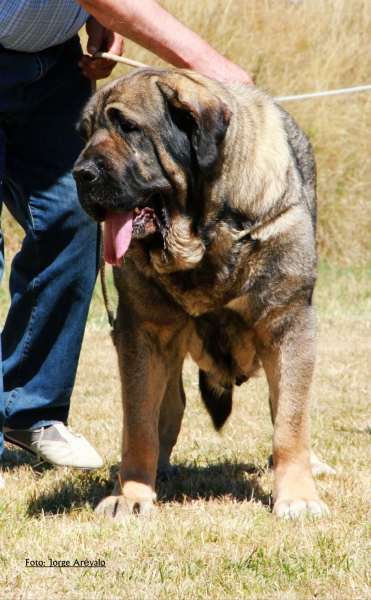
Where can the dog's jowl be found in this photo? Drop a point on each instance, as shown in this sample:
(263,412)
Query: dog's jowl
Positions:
(208,190)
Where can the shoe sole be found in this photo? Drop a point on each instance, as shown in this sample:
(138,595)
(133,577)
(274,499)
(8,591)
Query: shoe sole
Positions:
(19,445)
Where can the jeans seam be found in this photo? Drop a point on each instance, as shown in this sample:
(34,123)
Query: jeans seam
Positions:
(24,88)
(42,65)
(34,303)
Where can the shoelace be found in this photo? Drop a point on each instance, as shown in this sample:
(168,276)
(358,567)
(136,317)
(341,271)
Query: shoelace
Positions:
(78,435)
(39,443)
(42,429)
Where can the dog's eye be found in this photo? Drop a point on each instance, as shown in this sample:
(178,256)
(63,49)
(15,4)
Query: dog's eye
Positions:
(121,123)
(127,127)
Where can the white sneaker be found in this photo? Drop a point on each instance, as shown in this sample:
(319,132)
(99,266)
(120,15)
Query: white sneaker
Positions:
(56,444)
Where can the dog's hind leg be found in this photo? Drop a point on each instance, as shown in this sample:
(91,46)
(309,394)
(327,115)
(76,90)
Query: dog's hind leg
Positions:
(171,415)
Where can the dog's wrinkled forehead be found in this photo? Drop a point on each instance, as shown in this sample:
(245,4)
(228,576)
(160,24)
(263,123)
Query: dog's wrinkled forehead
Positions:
(133,94)
(141,96)
(178,109)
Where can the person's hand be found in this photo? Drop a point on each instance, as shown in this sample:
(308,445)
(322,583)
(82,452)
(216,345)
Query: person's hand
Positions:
(100,39)
(224,70)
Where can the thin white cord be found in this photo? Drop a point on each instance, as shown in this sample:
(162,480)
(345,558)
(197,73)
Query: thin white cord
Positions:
(360,88)
(120,59)
(133,63)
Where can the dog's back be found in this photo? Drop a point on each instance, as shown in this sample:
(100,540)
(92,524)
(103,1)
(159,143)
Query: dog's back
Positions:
(303,152)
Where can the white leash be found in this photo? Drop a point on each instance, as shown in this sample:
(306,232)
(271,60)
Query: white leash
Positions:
(360,88)
(133,63)
(120,59)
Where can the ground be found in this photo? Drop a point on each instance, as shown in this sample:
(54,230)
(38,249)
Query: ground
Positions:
(214,535)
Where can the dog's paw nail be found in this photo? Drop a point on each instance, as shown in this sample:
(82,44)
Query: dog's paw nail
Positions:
(287,509)
(120,507)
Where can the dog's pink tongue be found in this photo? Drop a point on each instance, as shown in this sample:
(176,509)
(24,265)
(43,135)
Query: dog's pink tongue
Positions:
(117,236)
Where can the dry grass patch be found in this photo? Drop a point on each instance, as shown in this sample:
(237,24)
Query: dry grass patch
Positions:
(213,536)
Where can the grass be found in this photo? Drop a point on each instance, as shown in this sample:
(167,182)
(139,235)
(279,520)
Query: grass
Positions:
(214,536)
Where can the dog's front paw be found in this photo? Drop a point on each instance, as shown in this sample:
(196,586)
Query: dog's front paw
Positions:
(292,509)
(136,499)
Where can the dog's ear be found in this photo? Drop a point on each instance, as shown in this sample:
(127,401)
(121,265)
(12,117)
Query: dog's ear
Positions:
(208,116)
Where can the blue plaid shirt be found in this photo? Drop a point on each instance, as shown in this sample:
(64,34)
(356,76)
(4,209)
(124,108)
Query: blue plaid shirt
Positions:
(33,25)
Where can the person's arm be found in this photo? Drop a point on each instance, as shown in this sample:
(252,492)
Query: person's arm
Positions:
(151,26)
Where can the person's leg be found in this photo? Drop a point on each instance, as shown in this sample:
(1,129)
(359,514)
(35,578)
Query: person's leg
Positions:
(15,69)
(53,275)
(2,405)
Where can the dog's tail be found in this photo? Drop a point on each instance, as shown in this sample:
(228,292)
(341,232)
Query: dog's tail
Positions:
(217,399)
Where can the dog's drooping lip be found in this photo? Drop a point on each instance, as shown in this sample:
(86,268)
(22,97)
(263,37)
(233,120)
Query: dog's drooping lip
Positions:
(120,227)
(146,220)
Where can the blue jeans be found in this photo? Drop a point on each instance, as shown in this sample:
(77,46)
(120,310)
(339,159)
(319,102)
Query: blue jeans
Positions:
(52,277)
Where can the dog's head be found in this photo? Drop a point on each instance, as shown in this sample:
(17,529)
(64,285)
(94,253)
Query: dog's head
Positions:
(153,141)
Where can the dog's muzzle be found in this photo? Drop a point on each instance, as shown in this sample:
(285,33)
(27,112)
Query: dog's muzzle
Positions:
(86,175)
(88,179)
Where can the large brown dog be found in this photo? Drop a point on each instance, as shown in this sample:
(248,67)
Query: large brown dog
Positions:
(210,191)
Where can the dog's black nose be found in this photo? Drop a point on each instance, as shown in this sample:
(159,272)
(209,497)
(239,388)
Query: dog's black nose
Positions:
(86,174)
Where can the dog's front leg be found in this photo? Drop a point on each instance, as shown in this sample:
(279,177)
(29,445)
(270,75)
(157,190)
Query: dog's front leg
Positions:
(288,355)
(143,378)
